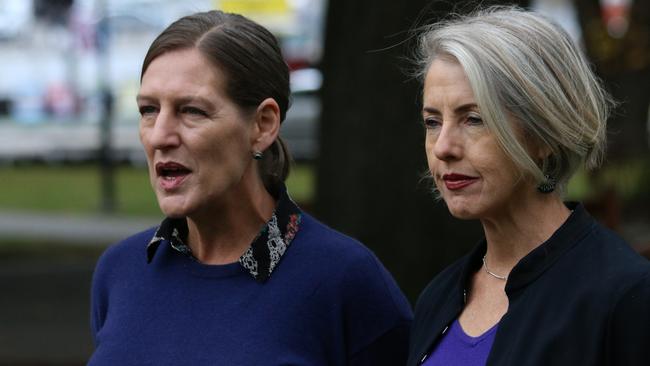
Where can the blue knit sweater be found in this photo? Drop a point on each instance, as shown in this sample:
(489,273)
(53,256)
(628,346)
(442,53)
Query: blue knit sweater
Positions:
(329,302)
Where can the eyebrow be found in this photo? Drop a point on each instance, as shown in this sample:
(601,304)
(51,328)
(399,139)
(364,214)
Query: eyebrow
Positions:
(460,109)
(182,100)
(142,98)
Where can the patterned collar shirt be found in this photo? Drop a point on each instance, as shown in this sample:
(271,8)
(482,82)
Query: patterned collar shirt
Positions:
(264,253)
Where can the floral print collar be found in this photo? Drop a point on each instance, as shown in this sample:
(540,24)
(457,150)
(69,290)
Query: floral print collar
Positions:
(264,253)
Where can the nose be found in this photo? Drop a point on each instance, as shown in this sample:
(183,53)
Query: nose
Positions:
(448,144)
(163,134)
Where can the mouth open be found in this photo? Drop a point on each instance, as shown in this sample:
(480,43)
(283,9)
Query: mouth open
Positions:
(172,174)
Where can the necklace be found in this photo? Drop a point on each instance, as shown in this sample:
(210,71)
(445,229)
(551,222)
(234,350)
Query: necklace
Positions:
(502,278)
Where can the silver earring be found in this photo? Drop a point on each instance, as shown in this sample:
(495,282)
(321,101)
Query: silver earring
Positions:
(257,155)
(548,185)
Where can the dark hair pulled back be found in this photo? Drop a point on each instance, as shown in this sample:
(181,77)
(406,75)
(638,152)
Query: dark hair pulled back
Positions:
(250,58)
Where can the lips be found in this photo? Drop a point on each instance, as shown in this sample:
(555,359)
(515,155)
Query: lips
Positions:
(456,181)
(171,174)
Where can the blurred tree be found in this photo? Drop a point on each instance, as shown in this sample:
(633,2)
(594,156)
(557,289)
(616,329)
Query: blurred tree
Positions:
(105,152)
(619,49)
(372,157)
(622,59)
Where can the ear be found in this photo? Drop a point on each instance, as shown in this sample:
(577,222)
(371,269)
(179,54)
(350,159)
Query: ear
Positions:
(537,150)
(542,152)
(267,124)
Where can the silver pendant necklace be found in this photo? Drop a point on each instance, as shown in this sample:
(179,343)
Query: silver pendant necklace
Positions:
(502,278)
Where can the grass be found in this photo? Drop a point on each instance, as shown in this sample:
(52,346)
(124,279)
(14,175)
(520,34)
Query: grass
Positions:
(76,189)
(73,189)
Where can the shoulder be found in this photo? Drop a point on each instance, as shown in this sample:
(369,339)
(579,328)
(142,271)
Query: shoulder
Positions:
(345,267)
(604,271)
(629,323)
(346,261)
(636,291)
(332,247)
(610,257)
(115,265)
(129,246)
(123,254)
(376,313)
(625,271)
(119,261)
(312,229)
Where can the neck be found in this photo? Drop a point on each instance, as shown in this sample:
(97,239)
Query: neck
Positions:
(223,234)
(521,228)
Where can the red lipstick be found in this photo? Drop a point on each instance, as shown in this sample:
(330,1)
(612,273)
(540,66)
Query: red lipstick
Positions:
(456,181)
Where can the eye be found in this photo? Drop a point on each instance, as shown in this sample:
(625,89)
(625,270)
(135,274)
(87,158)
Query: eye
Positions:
(474,120)
(431,122)
(147,109)
(194,111)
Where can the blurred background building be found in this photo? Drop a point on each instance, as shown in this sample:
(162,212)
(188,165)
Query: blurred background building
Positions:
(60,57)
(72,176)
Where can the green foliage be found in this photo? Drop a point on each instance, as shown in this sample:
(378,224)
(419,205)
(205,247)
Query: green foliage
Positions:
(630,179)
(301,183)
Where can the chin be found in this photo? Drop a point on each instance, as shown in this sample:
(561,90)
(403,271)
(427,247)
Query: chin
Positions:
(172,212)
(461,211)
(462,215)
(172,207)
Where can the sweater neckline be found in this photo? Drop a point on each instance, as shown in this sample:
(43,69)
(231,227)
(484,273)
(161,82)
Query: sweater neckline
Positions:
(259,260)
(456,329)
(214,270)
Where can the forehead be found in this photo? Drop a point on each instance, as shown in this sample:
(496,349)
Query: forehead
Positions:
(446,83)
(181,71)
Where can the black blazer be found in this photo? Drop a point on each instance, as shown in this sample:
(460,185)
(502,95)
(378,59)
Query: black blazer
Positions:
(581,298)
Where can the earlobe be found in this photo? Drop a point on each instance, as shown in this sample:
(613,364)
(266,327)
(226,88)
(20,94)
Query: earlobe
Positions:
(267,124)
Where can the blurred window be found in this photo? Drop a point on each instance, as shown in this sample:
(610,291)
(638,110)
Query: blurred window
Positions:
(52,11)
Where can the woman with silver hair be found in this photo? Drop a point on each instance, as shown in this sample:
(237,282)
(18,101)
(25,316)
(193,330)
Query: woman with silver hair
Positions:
(511,111)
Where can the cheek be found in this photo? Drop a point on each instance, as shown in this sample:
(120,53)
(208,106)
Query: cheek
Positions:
(144,141)
(500,174)
(225,154)
(432,160)
(148,151)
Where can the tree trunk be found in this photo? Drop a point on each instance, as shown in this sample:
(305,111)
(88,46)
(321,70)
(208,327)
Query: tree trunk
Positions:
(372,157)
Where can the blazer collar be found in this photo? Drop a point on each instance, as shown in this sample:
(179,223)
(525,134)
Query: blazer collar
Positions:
(531,266)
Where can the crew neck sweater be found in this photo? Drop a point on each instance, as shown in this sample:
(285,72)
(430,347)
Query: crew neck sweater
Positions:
(457,348)
(329,302)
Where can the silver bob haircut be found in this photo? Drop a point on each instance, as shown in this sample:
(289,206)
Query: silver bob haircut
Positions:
(533,86)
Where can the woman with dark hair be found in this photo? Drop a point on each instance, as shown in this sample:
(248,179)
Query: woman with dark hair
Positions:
(236,274)
(511,111)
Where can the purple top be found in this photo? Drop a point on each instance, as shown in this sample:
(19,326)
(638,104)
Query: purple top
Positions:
(458,348)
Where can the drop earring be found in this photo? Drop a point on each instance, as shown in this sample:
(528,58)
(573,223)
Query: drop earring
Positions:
(548,185)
